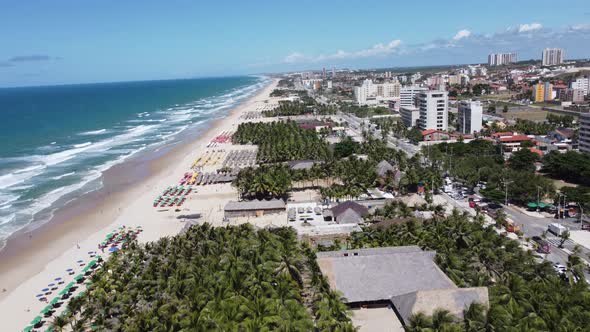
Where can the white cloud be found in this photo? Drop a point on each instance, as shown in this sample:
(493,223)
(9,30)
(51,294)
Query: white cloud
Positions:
(294,57)
(377,50)
(530,27)
(462,34)
(580,27)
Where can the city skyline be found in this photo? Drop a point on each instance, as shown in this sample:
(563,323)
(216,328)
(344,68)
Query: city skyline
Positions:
(69,43)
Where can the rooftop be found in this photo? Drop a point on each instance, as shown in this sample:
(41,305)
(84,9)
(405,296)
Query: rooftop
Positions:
(255,205)
(377,274)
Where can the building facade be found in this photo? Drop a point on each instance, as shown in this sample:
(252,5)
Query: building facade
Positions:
(407,95)
(581,83)
(552,56)
(542,92)
(573,95)
(500,59)
(584,134)
(470,117)
(409,115)
(434,111)
(370,93)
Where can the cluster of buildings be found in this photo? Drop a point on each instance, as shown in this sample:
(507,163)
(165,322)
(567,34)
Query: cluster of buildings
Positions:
(549,57)
(574,93)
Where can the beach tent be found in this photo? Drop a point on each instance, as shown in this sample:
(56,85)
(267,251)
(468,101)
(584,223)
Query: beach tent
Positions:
(532,205)
(36,320)
(55,301)
(47,310)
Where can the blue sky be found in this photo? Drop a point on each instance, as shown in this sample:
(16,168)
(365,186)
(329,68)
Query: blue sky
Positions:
(61,42)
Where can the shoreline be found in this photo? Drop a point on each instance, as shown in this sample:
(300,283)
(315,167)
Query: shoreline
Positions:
(31,258)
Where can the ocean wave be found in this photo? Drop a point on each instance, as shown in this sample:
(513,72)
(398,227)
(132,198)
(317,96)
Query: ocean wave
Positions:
(81,145)
(11,179)
(93,132)
(7,198)
(122,143)
(63,176)
(7,219)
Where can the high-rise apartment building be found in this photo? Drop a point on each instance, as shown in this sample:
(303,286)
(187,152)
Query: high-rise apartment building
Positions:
(407,95)
(370,93)
(552,56)
(542,92)
(434,112)
(499,59)
(584,133)
(470,116)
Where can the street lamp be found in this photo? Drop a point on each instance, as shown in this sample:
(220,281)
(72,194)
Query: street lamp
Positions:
(506,183)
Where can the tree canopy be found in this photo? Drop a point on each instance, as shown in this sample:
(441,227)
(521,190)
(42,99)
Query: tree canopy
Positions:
(222,279)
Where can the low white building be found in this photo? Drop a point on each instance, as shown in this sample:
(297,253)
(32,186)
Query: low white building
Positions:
(409,115)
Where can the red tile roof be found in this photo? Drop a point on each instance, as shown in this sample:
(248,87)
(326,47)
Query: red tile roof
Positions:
(537,151)
(515,138)
(428,132)
(504,133)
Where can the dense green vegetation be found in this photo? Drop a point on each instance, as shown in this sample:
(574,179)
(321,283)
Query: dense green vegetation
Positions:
(279,93)
(523,160)
(480,160)
(364,111)
(211,279)
(264,182)
(286,83)
(292,108)
(571,166)
(524,295)
(346,148)
(282,141)
(528,127)
(560,120)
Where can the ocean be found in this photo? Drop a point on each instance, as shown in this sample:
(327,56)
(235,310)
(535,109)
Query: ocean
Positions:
(56,141)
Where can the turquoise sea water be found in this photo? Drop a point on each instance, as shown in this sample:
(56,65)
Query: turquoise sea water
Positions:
(56,141)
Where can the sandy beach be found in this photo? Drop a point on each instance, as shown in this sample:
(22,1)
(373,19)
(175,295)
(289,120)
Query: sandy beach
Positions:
(32,260)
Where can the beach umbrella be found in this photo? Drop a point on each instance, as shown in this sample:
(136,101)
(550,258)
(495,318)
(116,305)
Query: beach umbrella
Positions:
(70,285)
(39,295)
(113,249)
(36,320)
(57,279)
(79,261)
(46,310)
(78,277)
(64,291)
(45,290)
(51,285)
(82,293)
(532,205)
(28,329)
(110,235)
(55,301)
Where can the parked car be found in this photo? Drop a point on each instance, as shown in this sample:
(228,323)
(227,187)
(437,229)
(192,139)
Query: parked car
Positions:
(542,246)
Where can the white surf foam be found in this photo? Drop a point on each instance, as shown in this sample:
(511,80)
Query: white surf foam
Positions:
(93,132)
(63,176)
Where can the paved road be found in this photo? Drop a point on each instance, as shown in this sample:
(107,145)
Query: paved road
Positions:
(393,142)
(535,226)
